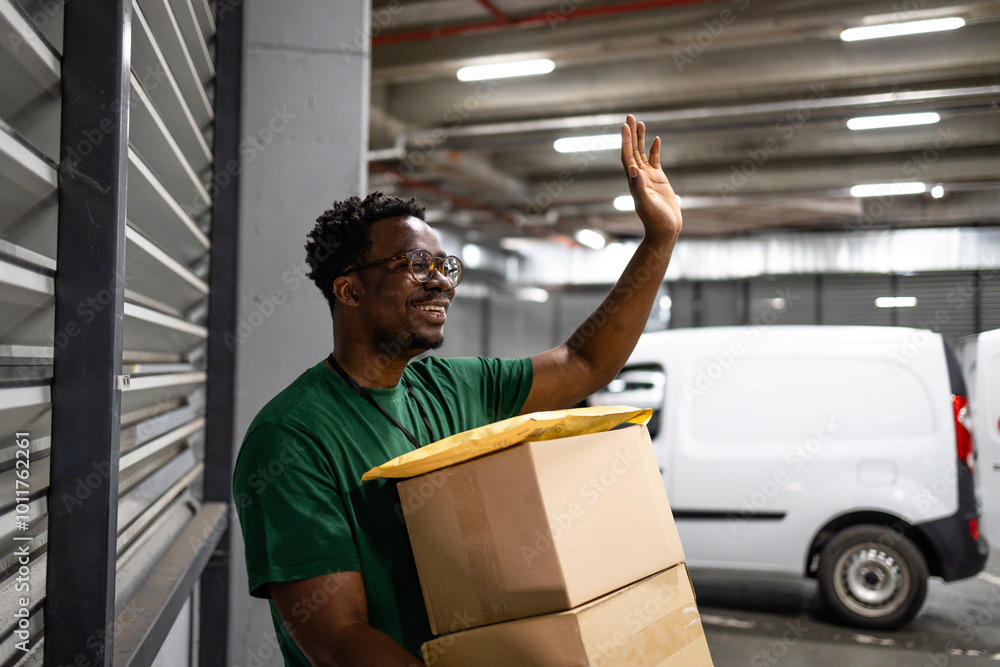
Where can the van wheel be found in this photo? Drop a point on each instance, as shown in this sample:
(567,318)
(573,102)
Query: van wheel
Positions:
(872,577)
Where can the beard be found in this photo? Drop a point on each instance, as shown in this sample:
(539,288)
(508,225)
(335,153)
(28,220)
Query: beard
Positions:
(416,344)
(407,344)
(425,344)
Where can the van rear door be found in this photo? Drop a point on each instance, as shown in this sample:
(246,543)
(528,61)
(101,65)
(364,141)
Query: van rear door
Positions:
(642,386)
(986,429)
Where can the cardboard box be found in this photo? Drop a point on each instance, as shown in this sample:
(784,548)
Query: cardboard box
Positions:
(539,527)
(653,622)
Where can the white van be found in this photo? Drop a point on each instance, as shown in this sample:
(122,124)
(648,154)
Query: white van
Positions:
(839,453)
(981,363)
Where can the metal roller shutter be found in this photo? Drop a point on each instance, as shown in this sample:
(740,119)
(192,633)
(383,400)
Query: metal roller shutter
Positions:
(783,300)
(685,305)
(29,155)
(104,334)
(570,309)
(851,299)
(989,300)
(946,303)
(463,334)
(518,328)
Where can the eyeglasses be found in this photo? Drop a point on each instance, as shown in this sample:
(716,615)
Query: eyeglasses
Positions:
(422,265)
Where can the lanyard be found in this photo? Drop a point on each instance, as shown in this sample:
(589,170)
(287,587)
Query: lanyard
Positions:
(365,394)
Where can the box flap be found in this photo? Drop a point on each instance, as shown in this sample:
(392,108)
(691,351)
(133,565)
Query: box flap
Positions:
(498,435)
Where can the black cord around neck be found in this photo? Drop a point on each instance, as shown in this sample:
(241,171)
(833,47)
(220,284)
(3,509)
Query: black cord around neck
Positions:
(365,394)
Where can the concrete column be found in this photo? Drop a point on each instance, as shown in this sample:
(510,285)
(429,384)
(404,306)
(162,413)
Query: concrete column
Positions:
(305,122)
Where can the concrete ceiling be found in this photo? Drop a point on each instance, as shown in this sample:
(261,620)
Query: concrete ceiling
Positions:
(750,98)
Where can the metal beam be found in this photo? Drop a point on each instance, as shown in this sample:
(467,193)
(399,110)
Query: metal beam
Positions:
(739,112)
(219,433)
(80,596)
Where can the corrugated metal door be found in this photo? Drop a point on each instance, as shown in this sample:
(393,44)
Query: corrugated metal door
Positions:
(157,306)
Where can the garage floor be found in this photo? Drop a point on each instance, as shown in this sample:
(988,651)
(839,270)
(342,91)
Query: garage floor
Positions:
(762,623)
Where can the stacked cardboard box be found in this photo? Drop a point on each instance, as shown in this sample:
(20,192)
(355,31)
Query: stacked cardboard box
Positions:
(564,535)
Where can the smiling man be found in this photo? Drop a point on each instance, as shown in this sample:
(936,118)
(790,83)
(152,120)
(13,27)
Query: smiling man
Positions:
(331,553)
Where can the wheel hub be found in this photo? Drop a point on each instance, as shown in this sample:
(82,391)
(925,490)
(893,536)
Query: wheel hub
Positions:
(872,576)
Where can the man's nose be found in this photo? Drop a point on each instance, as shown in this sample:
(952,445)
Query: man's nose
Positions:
(438,279)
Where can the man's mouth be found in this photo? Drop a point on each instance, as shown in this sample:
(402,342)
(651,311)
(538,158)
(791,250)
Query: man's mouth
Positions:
(437,312)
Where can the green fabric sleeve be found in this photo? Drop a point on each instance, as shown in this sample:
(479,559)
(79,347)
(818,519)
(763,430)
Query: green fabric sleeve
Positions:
(294,522)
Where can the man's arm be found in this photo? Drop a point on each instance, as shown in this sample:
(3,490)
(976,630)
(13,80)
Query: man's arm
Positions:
(598,349)
(328,618)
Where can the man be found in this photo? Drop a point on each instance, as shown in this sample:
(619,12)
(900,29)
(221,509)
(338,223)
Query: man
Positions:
(332,553)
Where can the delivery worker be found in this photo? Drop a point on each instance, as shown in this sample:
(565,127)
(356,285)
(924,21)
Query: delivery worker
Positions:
(332,554)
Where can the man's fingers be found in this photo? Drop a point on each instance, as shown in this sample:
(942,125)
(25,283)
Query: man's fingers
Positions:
(654,153)
(628,155)
(640,143)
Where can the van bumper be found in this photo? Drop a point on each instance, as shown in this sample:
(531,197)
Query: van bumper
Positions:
(958,554)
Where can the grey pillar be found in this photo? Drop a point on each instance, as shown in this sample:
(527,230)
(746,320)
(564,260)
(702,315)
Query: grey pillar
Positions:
(305,119)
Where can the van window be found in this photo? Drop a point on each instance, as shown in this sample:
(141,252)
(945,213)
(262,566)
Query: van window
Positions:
(782,399)
(641,386)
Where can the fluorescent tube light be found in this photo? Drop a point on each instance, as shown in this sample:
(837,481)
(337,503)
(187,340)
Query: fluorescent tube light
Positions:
(896,120)
(887,189)
(596,142)
(590,238)
(533,294)
(896,302)
(506,70)
(624,203)
(897,29)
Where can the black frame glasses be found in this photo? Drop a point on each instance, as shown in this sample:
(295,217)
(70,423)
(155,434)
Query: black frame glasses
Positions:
(421,262)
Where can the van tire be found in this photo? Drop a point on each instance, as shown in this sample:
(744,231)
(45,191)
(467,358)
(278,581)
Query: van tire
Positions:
(872,577)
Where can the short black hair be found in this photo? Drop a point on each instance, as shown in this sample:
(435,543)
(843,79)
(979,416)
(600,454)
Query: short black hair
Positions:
(342,235)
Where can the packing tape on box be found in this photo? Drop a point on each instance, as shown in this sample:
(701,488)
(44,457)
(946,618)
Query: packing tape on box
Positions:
(498,435)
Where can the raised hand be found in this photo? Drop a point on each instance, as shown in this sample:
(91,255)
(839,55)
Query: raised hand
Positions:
(655,201)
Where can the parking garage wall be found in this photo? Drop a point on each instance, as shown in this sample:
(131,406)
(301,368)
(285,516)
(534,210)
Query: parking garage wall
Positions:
(956,304)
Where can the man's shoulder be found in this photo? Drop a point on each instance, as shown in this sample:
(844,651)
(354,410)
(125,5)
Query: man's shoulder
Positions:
(297,405)
(290,422)
(472,381)
(469,366)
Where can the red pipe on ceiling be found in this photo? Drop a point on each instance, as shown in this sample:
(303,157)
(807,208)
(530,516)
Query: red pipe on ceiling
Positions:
(504,21)
(492,9)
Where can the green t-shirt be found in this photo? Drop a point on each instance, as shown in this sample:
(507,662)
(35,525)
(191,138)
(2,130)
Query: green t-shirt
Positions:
(298,492)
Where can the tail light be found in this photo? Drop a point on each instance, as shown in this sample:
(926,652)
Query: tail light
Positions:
(974,529)
(963,436)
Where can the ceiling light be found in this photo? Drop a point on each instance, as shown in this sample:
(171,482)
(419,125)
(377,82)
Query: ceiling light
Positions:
(887,189)
(597,142)
(534,294)
(937,191)
(624,203)
(896,120)
(897,29)
(896,302)
(590,238)
(472,255)
(506,70)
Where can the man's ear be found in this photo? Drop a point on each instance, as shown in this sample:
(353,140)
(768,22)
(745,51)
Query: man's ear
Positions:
(347,290)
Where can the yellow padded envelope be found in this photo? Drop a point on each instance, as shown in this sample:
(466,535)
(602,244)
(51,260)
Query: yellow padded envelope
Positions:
(498,435)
